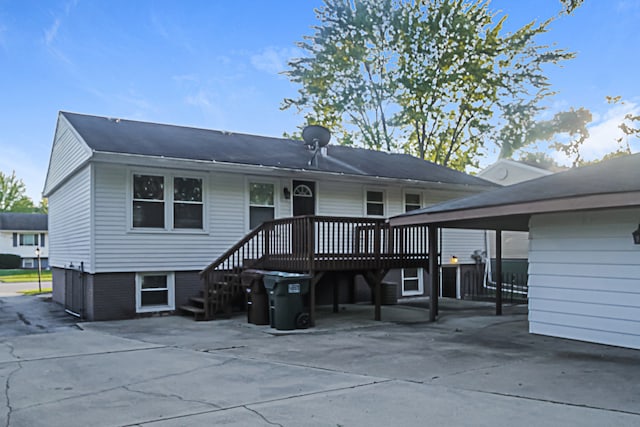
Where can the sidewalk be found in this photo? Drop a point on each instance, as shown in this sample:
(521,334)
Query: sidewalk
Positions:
(9,289)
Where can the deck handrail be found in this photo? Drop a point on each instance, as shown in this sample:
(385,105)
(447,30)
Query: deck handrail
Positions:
(300,242)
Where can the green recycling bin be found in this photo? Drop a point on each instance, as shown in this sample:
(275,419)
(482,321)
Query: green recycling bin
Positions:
(287,293)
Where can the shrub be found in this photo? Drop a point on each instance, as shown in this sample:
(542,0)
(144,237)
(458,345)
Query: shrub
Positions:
(10,261)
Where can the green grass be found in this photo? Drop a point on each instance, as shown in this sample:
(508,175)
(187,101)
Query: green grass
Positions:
(14,276)
(36,292)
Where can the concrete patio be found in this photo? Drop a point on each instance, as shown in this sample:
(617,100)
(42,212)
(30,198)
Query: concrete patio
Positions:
(469,368)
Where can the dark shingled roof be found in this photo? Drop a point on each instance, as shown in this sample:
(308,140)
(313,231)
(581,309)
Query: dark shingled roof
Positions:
(111,135)
(23,221)
(618,175)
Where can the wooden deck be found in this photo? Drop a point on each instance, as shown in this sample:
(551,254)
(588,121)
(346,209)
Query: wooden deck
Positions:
(320,244)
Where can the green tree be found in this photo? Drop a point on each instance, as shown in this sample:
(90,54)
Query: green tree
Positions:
(572,123)
(12,194)
(541,160)
(571,5)
(347,75)
(423,76)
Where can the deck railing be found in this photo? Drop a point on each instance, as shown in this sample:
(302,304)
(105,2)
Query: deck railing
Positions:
(323,243)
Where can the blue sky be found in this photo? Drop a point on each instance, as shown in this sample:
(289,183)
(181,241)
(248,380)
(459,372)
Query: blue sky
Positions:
(216,64)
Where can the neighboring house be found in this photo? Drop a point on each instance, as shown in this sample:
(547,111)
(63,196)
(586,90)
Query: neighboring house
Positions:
(584,261)
(21,234)
(515,248)
(142,208)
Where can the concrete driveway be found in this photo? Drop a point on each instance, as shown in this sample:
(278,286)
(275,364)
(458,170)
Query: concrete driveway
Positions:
(470,368)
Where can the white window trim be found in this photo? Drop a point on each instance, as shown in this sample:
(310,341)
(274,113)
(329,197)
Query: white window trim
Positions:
(247,197)
(171,294)
(168,202)
(385,202)
(420,278)
(410,191)
(36,240)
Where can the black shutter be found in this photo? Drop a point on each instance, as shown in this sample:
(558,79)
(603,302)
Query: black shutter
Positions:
(15,239)
(42,240)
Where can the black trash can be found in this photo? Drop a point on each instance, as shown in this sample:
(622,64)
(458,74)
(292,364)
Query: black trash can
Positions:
(286,300)
(257,298)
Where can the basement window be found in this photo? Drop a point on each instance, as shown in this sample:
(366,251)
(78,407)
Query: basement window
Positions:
(155,292)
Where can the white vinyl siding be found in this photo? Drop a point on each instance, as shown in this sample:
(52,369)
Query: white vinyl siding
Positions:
(67,154)
(340,198)
(462,244)
(119,248)
(70,222)
(584,277)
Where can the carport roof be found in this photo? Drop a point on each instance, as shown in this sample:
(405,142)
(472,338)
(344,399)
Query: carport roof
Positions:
(609,184)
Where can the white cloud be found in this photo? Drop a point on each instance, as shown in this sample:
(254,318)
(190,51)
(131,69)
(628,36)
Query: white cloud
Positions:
(274,60)
(51,33)
(200,99)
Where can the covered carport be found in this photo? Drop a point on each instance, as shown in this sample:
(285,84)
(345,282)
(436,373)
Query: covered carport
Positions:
(585,270)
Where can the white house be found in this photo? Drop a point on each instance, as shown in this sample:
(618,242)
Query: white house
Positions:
(21,234)
(141,207)
(584,250)
(515,248)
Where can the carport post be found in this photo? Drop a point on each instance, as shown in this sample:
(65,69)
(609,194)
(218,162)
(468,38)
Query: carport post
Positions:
(498,272)
(434,272)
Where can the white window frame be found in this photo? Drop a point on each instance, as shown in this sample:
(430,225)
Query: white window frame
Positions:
(168,201)
(412,192)
(276,197)
(36,239)
(384,202)
(420,291)
(171,292)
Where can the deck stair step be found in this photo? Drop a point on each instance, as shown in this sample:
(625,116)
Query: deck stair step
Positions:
(197,301)
(197,312)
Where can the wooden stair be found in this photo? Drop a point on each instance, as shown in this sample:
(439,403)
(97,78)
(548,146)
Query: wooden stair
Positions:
(218,298)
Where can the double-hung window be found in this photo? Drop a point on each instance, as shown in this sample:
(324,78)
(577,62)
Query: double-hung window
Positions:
(155,291)
(167,201)
(375,203)
(187,203)
(412,281)
(148,201)
(261,203)
(412,277)
(412,202)
(28,239)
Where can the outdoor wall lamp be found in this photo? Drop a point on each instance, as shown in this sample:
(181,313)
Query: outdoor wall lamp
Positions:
(287,193)
(454,259)
(636,236)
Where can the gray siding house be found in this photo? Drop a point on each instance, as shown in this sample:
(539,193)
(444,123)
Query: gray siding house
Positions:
(137,210)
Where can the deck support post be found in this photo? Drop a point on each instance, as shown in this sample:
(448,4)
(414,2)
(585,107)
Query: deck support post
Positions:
(315,278)
(378,297)
(434,273)
(498,272)
(336,289)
